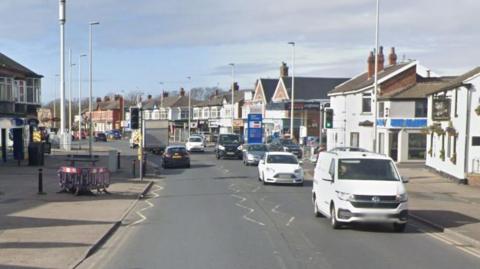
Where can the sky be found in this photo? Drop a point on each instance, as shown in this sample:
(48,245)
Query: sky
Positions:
(153,45)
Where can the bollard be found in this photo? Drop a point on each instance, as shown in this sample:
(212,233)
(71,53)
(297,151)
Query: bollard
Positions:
(118,160)
(40,181)
(133,168)
(144,170)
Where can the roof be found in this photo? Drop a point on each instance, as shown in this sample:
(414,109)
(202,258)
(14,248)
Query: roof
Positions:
(238,95)
(268,85)
(8,63)
(419,90)
(358,155)
(108,105)
(458,81)
(169,101)
(312,87)
(361,81)
(217,100)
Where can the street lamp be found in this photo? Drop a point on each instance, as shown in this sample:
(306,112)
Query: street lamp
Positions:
(375,83)
(293,89)
(91,24)
(62,19)
(189,104)
(80,100)
(71,65)
(233,88)
(55,102)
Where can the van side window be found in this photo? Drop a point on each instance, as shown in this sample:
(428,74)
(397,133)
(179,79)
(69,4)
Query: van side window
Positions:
(331,171)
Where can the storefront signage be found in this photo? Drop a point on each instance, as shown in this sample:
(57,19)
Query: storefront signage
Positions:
(441,109)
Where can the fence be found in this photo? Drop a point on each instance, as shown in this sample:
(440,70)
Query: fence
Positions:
(76,180)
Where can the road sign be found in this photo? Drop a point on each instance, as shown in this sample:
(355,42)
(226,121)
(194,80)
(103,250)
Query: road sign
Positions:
(255,130)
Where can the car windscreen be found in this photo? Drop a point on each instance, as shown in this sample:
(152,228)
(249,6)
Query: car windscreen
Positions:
(177,150)
(288,159)
(286,142)
(259,147)
(229,139)
(195,139)
(367,169)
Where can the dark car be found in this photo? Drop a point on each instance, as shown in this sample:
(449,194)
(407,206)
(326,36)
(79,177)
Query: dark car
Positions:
(253,153)
(286,144)
(101,137)
(229,146)
(175,156)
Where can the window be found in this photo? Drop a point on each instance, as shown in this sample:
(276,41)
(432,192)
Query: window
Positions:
(20,86)
(163,114)
(331,171)
(366,102)
(476,141)
(6,92)
(156,115)
(286,159)
(421,109)
(214,112)
(196,112)
(354,140)
(367,169)
(417,143)
(448,145)
(381,109)
(206,113)
(184,114)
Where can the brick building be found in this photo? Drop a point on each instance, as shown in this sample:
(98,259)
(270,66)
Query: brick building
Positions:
(107,113)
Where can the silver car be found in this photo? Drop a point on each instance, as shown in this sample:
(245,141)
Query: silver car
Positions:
(253,153)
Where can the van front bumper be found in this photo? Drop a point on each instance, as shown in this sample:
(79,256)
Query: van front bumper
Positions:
(347,213)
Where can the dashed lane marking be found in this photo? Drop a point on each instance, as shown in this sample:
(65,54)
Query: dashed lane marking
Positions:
(290,221)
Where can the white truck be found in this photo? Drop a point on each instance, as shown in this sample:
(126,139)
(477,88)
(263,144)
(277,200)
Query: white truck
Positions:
(155,135)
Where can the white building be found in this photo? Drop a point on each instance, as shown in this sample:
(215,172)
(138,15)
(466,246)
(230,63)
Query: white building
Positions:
(401,109)
(454,127)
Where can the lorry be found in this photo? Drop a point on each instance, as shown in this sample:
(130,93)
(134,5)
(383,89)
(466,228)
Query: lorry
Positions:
(155,136)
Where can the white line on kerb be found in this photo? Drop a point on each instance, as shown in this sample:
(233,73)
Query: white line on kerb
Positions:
(149,205)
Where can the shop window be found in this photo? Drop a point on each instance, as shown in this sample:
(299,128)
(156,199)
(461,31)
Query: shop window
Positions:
(417,144)
(381,109)
(421,109)
(476,141)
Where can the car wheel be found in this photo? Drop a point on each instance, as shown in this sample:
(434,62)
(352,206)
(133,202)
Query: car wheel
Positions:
(263,179)
(218,156)
(399,227)
(316,212)
(333,218)
(188,165)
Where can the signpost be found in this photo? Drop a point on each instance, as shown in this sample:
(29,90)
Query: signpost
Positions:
(255,129)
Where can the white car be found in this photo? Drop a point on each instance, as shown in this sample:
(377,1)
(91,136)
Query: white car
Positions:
(195,143)
(359,187)
(280,167)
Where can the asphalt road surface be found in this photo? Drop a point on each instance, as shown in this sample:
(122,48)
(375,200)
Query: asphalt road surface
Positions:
(216,215)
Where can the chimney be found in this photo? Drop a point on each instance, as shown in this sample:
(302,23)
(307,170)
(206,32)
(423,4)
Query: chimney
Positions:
(392,58)
(428,73)
(283,70)
(149,97)
(106,98)
(235,86)
(381,59)
(164,94)
(371,65)
(99,99)
(182,92)
(216,92)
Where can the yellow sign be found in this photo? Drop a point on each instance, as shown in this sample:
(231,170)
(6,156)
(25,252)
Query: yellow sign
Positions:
(37,136)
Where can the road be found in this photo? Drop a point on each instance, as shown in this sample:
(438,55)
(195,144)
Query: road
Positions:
(217,215)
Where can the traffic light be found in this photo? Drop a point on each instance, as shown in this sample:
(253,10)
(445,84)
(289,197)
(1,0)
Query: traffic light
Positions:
(328,118)
(134,118)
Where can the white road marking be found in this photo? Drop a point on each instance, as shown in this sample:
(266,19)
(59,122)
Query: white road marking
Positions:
(149,205)
(274,210)
(290,221)
(250,210)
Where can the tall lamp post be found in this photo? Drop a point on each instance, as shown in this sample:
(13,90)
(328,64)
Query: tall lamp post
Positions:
(293,89)
(80,100)
(233,89)
(375,83)
(70,65)
(55,102)
(90,54)
(189,105)
(62,19)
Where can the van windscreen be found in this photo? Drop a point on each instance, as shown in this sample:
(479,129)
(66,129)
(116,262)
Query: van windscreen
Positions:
(367,169)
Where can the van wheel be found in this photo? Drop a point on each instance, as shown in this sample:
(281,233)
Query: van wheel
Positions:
(399,227)
(316,212)
(333,218)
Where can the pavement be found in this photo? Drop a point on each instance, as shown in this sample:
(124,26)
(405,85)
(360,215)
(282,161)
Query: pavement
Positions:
(57,230)
(218,215)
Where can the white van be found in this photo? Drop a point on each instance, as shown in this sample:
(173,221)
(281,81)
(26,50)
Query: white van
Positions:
(359,187)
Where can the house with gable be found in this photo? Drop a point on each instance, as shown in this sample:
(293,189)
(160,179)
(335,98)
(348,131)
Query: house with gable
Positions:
(402,109)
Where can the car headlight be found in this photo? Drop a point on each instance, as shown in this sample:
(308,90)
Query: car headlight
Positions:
(220,147)
(344,196)
(401,197)
(239,147)
(298,171)
(285,148)
(250,156)
(270,170)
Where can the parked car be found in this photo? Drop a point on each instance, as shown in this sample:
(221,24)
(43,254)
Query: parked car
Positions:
(195,143)
(114,134)
(357,186)
(76,135)
(280,167)
(229,145)
(253,153)
(286,144)
(175,156)
(101,137)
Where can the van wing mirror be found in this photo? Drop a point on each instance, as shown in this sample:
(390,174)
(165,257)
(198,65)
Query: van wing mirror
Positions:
(327,177)
(405,179)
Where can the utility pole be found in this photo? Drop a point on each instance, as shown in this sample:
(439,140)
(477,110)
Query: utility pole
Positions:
(233,93)
(292,108)
(375,87)
(80,100)
(71,65)
(90,81)
(62,19)
(189,105)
